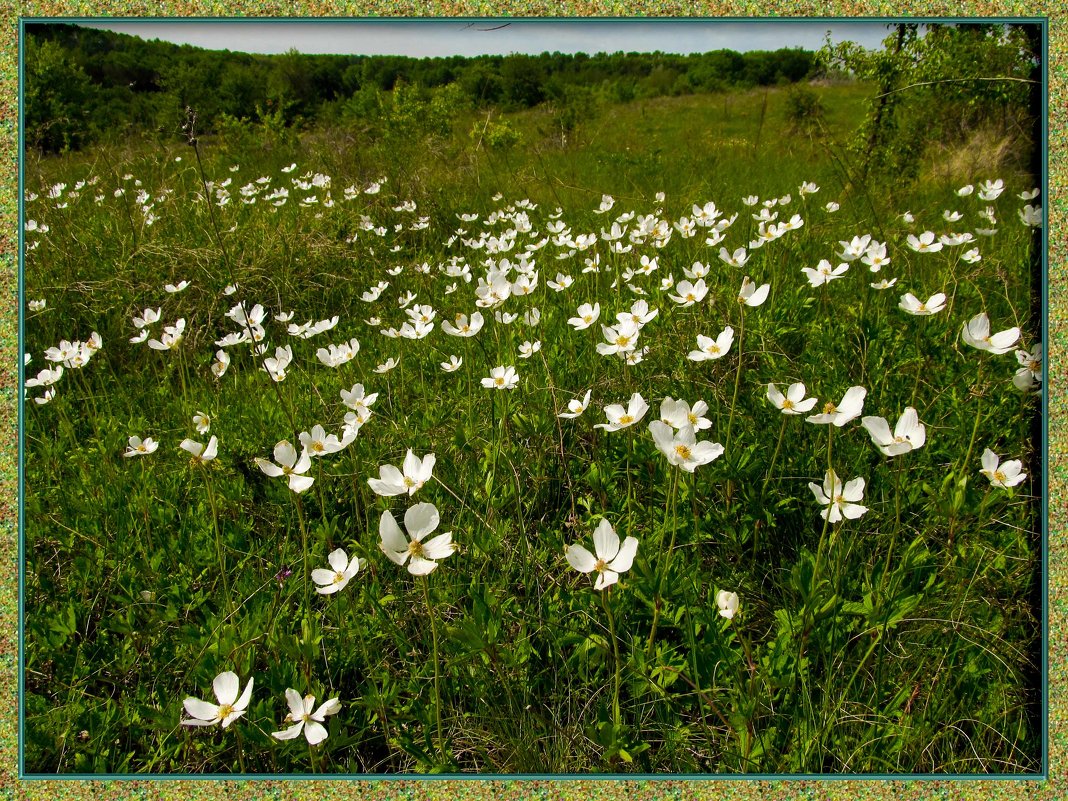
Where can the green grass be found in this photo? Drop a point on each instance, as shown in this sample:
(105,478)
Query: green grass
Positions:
(903,641)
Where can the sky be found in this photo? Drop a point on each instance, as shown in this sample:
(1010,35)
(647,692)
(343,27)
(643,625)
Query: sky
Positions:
(429,38)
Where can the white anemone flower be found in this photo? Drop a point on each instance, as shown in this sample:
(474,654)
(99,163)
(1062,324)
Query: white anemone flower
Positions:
(140,447)
(727,603)
(793,402)
(618,417)
(587,316)
(610,558)
(976,332)
(501,378)
(689,294)
(682,449)
(913,305)
(708,348)
(341,571)
(926,242)
(311,723)
(1004,475)
(452,365)
(850,407)
(839,502)
(576,407)
(221,363)
(289,464)
(678,414)
(229,708)
(200,452)
(409,478)
(420,520)
(908,435)
(752,295)
(824,273)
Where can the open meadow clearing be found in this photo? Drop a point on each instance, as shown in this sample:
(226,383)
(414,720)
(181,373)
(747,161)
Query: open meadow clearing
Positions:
(656,442)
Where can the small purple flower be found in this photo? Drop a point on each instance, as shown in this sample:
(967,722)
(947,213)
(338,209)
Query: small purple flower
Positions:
(282,575)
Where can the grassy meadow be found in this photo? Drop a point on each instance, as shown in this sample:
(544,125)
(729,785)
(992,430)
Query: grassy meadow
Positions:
(740,631)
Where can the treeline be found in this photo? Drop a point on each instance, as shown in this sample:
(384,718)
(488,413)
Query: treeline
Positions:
(83,84)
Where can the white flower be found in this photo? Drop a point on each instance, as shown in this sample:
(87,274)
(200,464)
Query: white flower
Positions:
(300,710)
(587,316)
(147,317)
(794,402)
(751,295)
(452,365)
(140,447)
(201,453)
(924,243)
(909,433)
(1031,216)
(342,569)
(1007,475)
(682,449)
(618,417)
(229,708)
(839,502)
(611,558)
(850,407)
(575,407)
(387,365)
(689,294)
(708,348)
(913,305)
(394,481)
(824,273)
(420,520)
(501,378)
(290,465)
(727,602)
(976,332)
(173,288)
(528,349)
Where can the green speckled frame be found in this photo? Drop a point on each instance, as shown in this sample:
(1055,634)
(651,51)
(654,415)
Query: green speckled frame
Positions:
(1054,787)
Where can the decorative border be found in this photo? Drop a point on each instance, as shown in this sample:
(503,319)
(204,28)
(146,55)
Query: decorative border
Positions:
(1055,201)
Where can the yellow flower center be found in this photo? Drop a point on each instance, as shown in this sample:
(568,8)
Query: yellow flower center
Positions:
(318,447)
(626,420)
(787,403)
(600,566)
(224,710)
(713,349)
(415,548)
(409,481)
(622,341)
(682,451)
(339,577)
(586,318)
(999,476)
(692,418)
(830,408)
(499,381)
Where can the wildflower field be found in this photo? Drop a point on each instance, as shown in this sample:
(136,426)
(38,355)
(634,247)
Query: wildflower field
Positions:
(663,449)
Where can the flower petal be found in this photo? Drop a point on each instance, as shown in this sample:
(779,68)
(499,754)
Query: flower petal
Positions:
(227,685)
(421,519)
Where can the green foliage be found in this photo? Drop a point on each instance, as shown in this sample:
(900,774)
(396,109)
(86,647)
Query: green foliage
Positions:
(804,109)
(941,85)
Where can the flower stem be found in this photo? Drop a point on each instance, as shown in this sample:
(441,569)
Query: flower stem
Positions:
(218,538)
(671,503)
(615,654)
(437,673)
